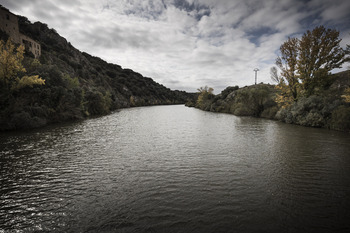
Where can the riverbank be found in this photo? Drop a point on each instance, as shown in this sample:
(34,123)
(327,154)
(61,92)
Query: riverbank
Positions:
(326,109)
(74,85)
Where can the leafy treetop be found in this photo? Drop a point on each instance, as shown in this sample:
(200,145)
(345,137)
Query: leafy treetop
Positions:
(11,68)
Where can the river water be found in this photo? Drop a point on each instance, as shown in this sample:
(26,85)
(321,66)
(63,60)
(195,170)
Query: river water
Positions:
(174,169)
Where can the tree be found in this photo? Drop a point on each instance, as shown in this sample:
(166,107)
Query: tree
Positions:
(205,89)
(11,68)
(346,95)
(306,63)
(319,53)
(347,51)
(205,94)
(287,62)
(275,77)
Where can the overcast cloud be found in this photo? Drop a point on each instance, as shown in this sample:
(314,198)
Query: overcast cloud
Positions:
(186,44)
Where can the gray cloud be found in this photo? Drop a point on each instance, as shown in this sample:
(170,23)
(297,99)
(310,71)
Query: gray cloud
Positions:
(194,8)
(185,44)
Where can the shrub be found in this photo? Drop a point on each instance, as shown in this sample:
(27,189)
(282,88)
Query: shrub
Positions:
(205,98)
(23,120)
(97,103)
(270,112)
(341,119)
(227,91)
(242,110)
(313,118)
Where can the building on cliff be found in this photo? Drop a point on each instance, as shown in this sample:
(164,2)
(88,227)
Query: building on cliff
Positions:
(9,24)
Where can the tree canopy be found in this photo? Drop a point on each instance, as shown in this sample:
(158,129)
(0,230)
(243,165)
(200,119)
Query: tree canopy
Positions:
(306,63)
(12,70)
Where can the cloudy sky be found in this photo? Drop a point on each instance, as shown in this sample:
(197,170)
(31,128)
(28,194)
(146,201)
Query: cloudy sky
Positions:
(186,44)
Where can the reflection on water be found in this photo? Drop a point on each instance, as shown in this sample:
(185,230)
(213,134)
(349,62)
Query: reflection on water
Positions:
(175,169)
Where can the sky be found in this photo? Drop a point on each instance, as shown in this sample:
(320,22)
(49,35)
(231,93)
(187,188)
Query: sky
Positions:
(187,44)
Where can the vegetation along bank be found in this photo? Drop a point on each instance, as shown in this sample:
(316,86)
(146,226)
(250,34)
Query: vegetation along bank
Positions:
(306,92)
(65,84)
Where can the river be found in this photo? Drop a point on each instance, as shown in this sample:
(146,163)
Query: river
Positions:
(174,169)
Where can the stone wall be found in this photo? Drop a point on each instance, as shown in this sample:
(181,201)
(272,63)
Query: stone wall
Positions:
(9,24)
(31,45)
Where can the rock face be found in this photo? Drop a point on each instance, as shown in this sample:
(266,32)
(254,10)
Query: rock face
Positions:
(77,84)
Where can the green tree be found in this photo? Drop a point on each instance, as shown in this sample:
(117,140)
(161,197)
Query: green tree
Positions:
(251,101)
(306,63)
(97,103)
(319,53)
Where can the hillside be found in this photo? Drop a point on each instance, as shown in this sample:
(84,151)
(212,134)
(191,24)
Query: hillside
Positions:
(77,85)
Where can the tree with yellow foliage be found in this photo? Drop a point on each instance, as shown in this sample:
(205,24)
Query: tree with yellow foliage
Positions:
(346,95)
(11,68)
(288,82)
(287,62)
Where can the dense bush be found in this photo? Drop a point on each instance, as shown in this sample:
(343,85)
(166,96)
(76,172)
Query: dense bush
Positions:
(228,90)
(205,97)
(341,118)
(315,111)
(255,100)
(23,120)
(328,110)
(97,103)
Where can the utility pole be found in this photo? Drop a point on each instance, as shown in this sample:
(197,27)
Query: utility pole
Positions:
(256,74)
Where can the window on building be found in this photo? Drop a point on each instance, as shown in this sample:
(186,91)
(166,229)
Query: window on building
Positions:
(7,17)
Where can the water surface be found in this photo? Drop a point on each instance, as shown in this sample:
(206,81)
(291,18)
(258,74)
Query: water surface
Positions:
(175,169)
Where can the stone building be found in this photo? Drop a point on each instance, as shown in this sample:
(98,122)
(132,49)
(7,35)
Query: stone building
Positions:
(9,24)
(31,45)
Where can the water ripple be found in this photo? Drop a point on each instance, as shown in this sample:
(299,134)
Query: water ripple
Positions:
(174,169)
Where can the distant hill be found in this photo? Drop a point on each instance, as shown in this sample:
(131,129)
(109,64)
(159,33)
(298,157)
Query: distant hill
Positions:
(77,85)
